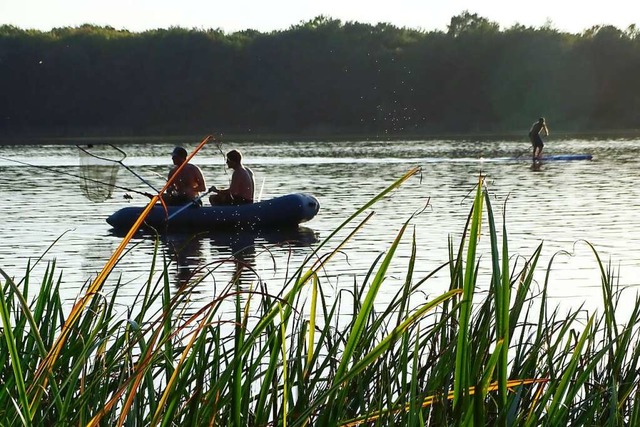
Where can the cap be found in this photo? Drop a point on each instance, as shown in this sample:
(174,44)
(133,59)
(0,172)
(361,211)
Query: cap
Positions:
(179,151)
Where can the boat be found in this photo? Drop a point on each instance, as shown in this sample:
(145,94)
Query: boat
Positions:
(280,212)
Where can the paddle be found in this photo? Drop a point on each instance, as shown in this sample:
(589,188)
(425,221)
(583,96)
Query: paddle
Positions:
(524,153)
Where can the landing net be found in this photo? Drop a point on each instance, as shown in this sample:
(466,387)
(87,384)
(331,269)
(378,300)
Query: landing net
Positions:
(98,168)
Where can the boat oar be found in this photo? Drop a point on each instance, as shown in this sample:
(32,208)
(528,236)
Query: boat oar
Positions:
(194,202)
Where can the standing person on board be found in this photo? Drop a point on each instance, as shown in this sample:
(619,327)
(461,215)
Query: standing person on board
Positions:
(187,186)
(534,135)
(241,187)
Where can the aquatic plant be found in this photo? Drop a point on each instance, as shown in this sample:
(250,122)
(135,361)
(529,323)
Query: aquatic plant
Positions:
(309,354)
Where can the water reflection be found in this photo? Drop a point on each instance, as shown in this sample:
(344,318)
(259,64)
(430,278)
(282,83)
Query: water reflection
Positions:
(236,248)
(536,166)
(185,254)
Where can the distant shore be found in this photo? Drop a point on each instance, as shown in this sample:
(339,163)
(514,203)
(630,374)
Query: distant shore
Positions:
(266,137)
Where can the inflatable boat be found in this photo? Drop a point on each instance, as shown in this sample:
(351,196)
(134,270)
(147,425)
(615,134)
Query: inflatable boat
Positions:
(284,211)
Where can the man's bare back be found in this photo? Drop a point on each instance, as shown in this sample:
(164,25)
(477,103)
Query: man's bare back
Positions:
(241,187)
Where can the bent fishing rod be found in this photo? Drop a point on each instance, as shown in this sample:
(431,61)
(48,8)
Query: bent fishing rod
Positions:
(143,193)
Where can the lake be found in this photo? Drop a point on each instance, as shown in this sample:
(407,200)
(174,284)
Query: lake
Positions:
(560,204)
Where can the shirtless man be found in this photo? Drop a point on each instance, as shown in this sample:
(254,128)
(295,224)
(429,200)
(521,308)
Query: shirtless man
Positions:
(188,184)
(240,189)
(534,134)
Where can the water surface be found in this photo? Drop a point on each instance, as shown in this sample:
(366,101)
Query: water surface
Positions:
(560,204)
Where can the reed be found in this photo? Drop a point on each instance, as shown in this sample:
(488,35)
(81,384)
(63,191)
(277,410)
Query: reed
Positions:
(507,357)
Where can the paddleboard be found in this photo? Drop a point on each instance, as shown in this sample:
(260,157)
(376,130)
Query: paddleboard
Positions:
(551,158)
(567,157)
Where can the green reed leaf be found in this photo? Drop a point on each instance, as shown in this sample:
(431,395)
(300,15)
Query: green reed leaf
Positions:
(463,351)
(16,362)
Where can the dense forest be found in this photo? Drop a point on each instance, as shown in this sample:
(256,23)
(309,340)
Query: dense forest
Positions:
(321,77)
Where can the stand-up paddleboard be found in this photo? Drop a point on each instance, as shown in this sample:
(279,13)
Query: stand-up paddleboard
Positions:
(566,157)
(550,158)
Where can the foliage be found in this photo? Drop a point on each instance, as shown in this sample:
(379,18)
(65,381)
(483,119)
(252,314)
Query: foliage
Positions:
(323,76)
(313,355)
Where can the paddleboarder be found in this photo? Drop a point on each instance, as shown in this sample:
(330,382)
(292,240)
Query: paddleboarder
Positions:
(534,135)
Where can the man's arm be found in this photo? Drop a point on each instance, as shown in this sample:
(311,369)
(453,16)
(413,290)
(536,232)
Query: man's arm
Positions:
(234,184)
(173,186)
(202,186)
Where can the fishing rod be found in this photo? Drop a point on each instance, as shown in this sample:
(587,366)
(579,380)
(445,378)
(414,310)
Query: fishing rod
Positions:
(78,176)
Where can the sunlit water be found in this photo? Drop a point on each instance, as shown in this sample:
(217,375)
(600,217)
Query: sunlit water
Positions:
(561,204)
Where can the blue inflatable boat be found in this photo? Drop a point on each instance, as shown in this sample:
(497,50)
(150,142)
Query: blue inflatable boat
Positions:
(284,211)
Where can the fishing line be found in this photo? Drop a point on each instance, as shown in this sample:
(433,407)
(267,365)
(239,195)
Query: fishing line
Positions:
(76,176)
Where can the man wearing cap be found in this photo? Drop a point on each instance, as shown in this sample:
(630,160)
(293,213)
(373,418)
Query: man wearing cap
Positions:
(241,187)
(186,187)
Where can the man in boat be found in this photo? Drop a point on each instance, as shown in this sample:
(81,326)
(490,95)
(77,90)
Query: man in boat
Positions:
(534,135)
(241,187)
(186,187)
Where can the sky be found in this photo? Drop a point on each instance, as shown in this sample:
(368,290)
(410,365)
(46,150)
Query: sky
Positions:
(269,15)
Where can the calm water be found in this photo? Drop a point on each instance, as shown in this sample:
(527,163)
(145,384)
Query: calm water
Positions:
(560,205)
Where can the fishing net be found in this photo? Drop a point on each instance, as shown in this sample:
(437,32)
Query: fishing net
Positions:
(99,166)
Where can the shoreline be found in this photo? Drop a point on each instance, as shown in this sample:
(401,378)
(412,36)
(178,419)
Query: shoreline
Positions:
(17,140)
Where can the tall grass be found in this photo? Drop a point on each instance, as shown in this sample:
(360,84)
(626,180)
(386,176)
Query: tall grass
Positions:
(507,358)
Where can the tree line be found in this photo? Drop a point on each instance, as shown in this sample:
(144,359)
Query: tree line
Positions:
(319,77)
